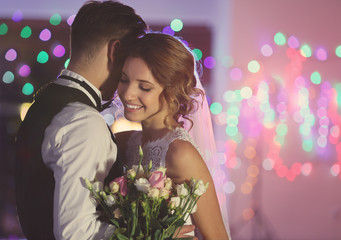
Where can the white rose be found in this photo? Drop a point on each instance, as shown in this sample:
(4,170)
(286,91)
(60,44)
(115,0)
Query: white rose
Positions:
(131,173)
(168,183)
(114,187)
(164,193)
(153,193)
(110,200)
(97,186)
(134,167)
(142,185)
(117,213)
(200,188)
(181,190)
(174,202)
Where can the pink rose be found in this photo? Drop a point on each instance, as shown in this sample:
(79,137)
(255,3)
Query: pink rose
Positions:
(157,180)
(122,181)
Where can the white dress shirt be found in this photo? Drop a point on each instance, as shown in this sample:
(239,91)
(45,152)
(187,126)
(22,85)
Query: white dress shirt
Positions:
(77,145)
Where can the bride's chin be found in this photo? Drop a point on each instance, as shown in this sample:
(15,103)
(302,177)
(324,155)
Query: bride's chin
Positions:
(132,119)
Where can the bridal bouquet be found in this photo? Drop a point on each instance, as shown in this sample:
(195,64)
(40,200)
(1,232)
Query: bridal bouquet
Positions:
(145,204)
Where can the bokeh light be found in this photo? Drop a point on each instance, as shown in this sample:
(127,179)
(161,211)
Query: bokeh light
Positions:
(59,51)
(109,119)
(229,96)
(66,64)
(306,51)
(306,168)
(229,187)
(307,145)
(246,188)
(210,62)
(55,19)
(42,57)
(45,34)
(176,25)
(236,74)
(17,16)
(338,51)
(168,30)
(315,78)
(185,42)
(280,38)
(253,66)
(293,42)
(197,54)
(71,19)
(266,50)
(248,214)
(26,32)
(8,77)
(282,129)
(216,108)
(3,28)
(233,162)
(24,70)
(335,169)
(231,130)
(321,54)
(268,164)
(11,55)
(27,89)
(246,92)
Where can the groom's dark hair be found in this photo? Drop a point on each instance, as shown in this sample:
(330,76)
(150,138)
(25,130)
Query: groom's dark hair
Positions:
(97,23)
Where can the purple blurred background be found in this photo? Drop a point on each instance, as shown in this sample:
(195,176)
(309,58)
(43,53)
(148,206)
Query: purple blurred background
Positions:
(271,70)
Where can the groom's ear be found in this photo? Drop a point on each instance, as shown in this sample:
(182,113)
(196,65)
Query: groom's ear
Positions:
(112,47)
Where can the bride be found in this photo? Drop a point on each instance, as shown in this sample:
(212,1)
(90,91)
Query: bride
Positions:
(159,88)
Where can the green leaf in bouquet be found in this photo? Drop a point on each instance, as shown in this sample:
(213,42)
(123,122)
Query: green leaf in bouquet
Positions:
(121,237)
(163,209)
(157,234)
(169,220)
(120,230)
(114,222)
(155,224)
(169,232)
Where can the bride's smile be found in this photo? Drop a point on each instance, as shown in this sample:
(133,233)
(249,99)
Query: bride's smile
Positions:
(140,93)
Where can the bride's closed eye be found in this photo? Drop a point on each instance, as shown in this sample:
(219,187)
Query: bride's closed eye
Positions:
(144,88)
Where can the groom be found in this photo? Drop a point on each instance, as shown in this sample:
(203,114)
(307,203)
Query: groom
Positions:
(63,137)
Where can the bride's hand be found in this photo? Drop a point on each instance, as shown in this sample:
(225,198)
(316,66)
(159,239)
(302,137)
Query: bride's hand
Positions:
(181,233)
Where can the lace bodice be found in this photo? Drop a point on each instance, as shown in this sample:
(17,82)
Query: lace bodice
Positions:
(154,150)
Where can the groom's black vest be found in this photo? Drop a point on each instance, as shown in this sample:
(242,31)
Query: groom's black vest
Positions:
(34,181)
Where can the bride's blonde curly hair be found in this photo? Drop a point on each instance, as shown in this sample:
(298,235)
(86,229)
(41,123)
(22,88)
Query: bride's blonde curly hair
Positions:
(174,67)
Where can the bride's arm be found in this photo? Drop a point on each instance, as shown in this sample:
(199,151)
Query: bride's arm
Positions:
(183,162)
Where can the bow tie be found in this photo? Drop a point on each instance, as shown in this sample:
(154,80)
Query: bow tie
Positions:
(106,105)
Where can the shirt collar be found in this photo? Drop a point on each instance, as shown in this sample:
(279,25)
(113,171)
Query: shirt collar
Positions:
(69,83)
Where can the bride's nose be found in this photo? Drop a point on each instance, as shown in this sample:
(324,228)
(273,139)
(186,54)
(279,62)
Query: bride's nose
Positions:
(129,93)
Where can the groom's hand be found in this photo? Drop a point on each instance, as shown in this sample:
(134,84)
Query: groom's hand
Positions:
(181,233)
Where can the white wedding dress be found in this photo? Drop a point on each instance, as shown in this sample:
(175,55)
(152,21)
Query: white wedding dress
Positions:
(156,151)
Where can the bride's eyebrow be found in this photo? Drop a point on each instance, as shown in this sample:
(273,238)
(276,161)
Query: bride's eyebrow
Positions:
(145,81)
